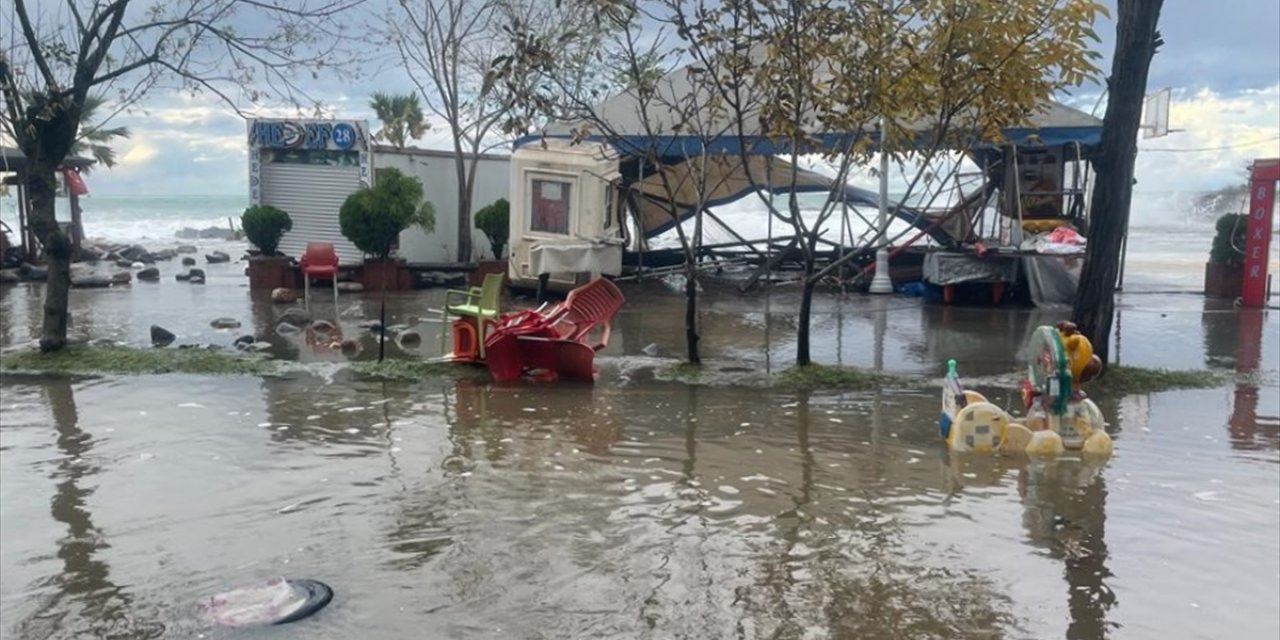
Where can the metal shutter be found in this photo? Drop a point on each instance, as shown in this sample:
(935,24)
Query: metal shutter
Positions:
(311,195)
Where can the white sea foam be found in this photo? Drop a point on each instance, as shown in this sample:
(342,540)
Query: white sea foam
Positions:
(143,219)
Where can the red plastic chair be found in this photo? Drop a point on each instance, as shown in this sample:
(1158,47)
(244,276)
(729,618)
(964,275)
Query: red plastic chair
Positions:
(585,308)
(556,341)
(320,260)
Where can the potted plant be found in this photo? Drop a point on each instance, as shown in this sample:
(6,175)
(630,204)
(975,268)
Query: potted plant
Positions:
(495,221)
(1224,272)
(372,219)
(264,225)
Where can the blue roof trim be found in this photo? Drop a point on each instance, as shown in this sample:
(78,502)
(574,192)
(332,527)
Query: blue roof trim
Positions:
(671,148)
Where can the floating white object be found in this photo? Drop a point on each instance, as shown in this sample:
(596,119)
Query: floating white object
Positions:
(276,601)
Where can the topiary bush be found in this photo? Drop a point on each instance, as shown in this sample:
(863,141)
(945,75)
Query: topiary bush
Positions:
(1228,242)
(372,218)
(495,221)
(264,225)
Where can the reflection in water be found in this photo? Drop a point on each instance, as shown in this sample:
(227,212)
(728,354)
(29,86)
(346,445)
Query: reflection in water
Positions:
(1249,430)
(1064,512)
(84,602)
(636,509)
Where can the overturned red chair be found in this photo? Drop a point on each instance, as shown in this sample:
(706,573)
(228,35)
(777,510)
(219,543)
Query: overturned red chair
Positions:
(559,340)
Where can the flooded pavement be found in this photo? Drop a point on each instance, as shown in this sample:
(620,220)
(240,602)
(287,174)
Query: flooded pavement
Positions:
(636,508)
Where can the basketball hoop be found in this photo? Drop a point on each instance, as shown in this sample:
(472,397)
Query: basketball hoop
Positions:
(1155,114)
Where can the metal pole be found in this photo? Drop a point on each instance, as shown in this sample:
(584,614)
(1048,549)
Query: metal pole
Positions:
(1124,254)
(882,283)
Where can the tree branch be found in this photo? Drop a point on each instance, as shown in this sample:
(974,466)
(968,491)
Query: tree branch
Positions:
(33,43)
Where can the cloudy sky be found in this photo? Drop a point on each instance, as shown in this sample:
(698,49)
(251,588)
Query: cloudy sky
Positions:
(1221,58)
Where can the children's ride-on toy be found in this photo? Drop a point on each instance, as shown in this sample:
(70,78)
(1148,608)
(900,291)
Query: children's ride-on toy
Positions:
(1059,415)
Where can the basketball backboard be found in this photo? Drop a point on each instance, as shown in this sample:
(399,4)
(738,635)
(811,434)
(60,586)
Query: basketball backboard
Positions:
(1155,114)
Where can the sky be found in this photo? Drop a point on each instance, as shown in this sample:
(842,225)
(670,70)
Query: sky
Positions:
(1221,59)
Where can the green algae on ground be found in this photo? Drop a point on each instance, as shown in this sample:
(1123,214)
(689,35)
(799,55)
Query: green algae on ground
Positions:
(817,376)
(412,370)
(681,372)
(84,360)
(1126,380)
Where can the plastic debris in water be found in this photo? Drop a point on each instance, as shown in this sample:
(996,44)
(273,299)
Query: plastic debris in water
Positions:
(276,601)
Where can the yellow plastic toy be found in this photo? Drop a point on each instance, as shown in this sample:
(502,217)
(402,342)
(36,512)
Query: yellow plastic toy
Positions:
(979,426)
(1016,439)
(1045,443)
(1059,416)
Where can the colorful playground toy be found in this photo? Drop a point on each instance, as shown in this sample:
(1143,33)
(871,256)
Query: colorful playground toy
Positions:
(1059,415)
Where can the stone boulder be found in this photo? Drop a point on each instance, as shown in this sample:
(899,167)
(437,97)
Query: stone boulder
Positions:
(188,261)
(296,316)
(135,253)
(122,277)
(9,276)
(91,281)
(225,323)
(217,257)
(37,274)
(185,248)
(284,295)
(91,253)
(123,263)
(165,254)
(161,337)
(197,279)
(244,341)
(150,274)
(410,339)
(192,273)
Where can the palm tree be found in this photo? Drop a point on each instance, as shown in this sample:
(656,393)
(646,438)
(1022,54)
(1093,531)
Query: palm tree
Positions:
(401,117)
(95,139)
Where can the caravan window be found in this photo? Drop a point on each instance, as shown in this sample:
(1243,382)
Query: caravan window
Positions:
(549,206)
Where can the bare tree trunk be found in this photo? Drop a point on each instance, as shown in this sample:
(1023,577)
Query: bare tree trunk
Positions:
(41,188)
(806,297)
(1136,43)
(691,336)
(464,207)
(802,330)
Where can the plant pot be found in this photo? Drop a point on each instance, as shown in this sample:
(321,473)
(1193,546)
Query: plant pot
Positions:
(1223,279)
(271,272)
(484,268)
(396,275)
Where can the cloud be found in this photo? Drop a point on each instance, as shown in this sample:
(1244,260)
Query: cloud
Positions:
(138,153)
(1221,133)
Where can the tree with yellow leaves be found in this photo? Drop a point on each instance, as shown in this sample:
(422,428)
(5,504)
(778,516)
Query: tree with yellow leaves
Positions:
(913,79)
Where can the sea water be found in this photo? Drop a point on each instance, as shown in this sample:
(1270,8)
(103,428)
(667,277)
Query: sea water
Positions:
(143,219)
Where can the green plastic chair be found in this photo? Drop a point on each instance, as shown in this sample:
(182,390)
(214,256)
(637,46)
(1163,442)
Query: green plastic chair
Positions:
(481,303)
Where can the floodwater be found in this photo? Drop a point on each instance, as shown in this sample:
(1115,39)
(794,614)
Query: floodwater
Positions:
(637,508)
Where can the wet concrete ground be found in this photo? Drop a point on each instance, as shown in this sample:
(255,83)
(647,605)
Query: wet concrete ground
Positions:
(635,508)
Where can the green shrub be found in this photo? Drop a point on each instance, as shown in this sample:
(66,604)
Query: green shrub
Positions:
(264,225)
(372,218)
(1228,242)
(495,221)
